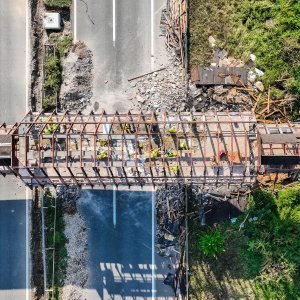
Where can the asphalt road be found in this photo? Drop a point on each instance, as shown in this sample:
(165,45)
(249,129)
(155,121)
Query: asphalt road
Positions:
(121,255)
(14,217)
(124,38)
(12,60)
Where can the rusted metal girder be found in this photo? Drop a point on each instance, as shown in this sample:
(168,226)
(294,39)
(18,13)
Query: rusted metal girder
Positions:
(144,148)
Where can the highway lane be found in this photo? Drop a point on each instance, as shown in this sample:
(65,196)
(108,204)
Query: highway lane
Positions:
(121,255)
(123,36)
(12,60)
(14,208)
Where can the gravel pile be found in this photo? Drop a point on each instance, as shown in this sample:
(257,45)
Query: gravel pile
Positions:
(164,90)
(76,89)
(77,271)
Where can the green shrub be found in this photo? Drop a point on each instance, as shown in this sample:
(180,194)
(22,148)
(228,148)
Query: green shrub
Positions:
(212,243)
(64,44)
(52,74)
(49,103)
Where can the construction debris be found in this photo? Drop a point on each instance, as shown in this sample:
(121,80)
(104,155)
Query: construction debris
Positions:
(162,90)
(171,231)
(76,89)
(173,27)
(225,86)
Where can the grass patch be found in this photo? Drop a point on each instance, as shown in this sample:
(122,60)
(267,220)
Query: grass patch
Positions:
(53,69)
(57,241)
(261,260)
(62,44)
(58,3)
(52,81)
(269,29)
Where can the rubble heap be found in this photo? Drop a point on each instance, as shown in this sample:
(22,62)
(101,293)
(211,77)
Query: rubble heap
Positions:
(76,89)
(220,97)
(171,232)
(77,271)
(161,91)
(76,234)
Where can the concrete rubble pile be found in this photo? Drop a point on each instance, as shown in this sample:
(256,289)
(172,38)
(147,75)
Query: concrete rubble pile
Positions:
(76,89)
(218,97)
(161,91)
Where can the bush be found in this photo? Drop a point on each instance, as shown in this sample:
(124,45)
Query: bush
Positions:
(62,44)
(52,82)
(49,103)
(212,243)
(52,74)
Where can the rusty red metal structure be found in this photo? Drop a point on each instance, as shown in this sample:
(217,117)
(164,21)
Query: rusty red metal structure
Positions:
(142,148)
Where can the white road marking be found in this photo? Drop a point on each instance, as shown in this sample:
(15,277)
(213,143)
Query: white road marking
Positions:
(75,21)
(114,207)
(153,244)
(114,22)
(27,244)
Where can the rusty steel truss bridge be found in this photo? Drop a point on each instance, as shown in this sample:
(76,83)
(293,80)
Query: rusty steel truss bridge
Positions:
(51,149)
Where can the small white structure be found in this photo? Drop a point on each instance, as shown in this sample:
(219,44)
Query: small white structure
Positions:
(52,21)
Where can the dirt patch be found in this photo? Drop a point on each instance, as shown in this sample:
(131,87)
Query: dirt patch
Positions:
(36,248)
(38,38)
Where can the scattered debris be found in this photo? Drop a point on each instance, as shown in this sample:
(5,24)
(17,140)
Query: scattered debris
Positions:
(171,231)
(77,271)
(76,89)
(173,26)
(234,91)
(161,90)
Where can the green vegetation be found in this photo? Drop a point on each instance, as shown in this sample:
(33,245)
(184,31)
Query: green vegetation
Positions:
(269,29)
(61,43)
(102,154)
(55,239)
(261,256)
(52,82)
(212,243)
(154,153)
(175,169)
(172,130)
(58,3)
(53,69)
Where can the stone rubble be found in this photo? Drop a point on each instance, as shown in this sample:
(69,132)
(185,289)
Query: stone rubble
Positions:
(161,91)
(76,89)
(76,234)
(77,271)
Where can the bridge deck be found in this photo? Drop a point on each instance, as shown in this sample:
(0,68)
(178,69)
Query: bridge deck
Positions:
(137,148)
(130,149)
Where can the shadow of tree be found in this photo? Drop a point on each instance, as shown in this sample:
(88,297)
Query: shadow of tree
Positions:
(261,260)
